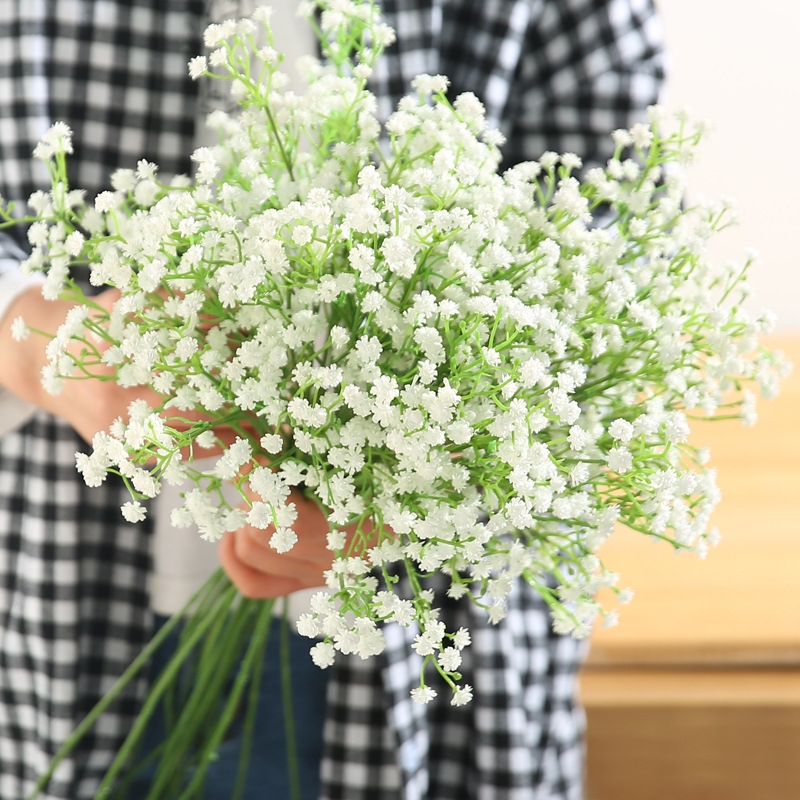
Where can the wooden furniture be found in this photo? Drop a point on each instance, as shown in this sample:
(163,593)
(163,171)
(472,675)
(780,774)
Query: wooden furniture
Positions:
(696,694)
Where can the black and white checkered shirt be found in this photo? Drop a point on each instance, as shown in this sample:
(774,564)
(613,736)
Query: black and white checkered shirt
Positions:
(554,75)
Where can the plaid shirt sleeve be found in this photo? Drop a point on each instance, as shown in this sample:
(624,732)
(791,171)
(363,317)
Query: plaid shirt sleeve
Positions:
(553,74)
(587,68)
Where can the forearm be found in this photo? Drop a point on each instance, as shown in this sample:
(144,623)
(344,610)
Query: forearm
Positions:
(21,362)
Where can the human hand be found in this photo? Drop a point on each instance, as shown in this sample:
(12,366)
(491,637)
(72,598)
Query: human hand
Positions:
(259,571)
(89,403)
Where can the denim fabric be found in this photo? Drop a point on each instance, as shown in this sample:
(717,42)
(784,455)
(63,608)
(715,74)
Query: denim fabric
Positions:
(268,776)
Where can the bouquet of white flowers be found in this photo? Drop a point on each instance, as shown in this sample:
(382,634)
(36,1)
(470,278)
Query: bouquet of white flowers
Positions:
(478,374)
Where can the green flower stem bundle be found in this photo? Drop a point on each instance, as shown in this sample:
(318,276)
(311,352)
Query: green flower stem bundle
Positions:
(480,373)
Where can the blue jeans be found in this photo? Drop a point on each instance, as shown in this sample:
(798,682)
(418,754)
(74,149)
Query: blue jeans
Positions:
(268,775)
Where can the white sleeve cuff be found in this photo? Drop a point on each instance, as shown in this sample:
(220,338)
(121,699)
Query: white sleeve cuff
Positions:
(14,413)
(13,284)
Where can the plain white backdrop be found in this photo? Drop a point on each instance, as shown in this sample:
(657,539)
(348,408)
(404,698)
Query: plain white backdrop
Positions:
(736,63)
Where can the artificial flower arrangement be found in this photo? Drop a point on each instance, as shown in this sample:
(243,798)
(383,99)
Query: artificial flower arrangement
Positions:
(481,374)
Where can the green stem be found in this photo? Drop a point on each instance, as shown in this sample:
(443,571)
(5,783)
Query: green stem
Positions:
(122,682)
(165,680)
(252,709)
(288,710)
(226,717)
(215,662)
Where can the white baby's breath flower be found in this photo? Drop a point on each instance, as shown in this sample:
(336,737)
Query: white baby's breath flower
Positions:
(307,626)
(94,469)
(105,201)
(323,654)
(231,461)
(19,330)
(624,596)
(146,170)
(619,460)
(134,511)
(197,67)
(430,84)
(621,430)
(641,135)
(461,695)
(57,138)
(283,540)
(272,442)
(423,694)
(396,328)
(449,659)
(206,439)
(302,234)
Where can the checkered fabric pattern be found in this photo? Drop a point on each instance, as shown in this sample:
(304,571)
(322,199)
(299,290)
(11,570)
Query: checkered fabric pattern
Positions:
(519,739)
(73,600)
(73,611)
(554,74)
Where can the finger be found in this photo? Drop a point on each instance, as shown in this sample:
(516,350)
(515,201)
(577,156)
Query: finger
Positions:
(253,582)
(252,547)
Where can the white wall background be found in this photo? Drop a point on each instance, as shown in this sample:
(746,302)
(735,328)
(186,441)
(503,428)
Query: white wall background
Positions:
(737,64)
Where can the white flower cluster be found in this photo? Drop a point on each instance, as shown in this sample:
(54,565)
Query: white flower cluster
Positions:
(463,364)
